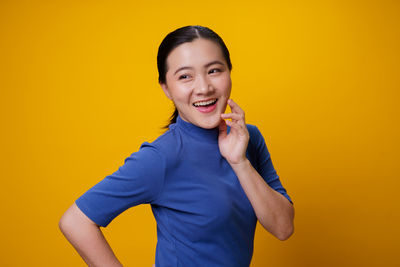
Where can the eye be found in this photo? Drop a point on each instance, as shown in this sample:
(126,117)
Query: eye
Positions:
(214,70)
(183,77)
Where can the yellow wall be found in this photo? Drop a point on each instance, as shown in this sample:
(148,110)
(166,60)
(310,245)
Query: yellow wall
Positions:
(79,94)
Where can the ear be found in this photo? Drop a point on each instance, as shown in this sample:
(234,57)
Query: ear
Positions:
(165,89)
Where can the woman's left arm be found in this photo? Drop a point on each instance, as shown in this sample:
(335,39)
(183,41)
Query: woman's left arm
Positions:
(273,210)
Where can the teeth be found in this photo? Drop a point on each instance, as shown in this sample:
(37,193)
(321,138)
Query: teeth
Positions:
(205,103)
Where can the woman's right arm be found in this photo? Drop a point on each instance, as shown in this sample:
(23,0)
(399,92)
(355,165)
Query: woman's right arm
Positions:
(87,238)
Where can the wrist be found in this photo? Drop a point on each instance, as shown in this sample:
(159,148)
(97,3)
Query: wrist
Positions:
(241,165)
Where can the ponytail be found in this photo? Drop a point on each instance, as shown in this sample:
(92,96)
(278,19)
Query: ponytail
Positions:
(172,119)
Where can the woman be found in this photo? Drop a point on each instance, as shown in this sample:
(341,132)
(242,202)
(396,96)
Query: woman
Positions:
(208,178)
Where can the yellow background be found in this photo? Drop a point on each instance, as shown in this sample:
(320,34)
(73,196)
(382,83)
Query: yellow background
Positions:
(320,79)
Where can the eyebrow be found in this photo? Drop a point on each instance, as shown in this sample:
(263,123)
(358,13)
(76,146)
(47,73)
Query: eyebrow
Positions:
(206,65)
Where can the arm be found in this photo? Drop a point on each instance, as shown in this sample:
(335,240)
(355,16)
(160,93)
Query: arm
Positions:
(87,238)
(138,181)
(273,210)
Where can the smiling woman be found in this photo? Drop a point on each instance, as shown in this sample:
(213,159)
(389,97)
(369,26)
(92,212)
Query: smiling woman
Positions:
(180,63)
(198,76)
(209,178)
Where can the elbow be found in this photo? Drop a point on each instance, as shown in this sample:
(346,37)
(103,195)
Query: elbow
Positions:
(74,221)
(69,220)
(282,233)
(288,227)
(64,222)
(285,233)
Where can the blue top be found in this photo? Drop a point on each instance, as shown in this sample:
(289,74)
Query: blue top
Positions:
(204,217)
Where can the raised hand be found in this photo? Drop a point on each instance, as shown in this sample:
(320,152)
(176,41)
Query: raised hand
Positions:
(233,146)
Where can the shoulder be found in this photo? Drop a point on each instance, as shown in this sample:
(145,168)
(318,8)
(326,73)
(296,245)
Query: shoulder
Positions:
(255,135)
(252,129)
(167,145)
(257,148)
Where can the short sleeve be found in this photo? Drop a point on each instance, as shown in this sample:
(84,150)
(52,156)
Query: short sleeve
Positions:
(139,180)
(263,161)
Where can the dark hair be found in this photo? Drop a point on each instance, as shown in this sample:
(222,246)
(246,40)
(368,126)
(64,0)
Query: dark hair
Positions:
(184,35)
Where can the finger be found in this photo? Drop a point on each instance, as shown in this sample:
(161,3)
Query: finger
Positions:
(235,126)
(222,128)
(233,116)
(235,107)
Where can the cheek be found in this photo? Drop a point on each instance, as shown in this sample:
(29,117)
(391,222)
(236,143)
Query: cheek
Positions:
(181,93)
(225,84)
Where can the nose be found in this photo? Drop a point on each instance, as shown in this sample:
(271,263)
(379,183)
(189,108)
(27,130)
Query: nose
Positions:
(203,85)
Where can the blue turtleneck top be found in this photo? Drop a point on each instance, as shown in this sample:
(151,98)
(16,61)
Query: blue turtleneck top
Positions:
(203,216)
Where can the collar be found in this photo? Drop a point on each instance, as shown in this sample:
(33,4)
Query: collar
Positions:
(208,135)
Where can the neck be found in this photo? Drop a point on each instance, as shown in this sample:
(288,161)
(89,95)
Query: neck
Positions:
(209,135)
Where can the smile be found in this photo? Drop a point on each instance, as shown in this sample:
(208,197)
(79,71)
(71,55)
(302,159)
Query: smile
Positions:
(205,103)
(206,106)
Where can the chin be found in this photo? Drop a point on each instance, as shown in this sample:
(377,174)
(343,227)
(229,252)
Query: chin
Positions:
(210,123)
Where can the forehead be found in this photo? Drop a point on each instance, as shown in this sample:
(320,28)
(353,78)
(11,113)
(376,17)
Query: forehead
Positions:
(195,53)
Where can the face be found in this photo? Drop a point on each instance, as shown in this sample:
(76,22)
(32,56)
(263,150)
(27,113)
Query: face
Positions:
(198,81)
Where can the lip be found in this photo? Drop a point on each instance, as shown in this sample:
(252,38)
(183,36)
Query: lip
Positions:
(203,100)
(207,109)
